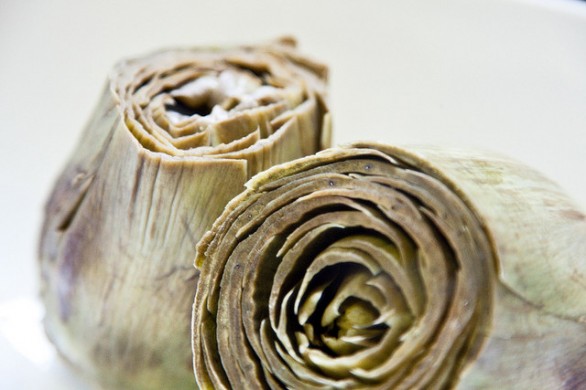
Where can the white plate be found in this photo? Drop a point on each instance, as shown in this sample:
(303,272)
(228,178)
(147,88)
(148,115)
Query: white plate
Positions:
(499,74)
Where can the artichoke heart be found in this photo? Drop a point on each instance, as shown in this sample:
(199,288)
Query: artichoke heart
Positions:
(373,266)
(175,136)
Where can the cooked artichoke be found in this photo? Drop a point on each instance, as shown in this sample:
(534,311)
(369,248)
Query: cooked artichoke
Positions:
(373,266)
(175,136)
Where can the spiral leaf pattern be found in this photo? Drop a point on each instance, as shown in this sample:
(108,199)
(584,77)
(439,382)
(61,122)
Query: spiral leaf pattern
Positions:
(222,102)
(348,269)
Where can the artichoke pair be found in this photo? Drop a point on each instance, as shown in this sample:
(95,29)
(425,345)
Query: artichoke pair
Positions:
(356,267)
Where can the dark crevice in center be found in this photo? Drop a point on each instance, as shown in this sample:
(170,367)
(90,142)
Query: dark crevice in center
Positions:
(183,109)
(342,325)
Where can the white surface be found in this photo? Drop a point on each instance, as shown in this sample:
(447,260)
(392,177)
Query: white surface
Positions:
(504,75)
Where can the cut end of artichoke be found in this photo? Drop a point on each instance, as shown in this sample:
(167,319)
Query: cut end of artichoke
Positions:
(343,270)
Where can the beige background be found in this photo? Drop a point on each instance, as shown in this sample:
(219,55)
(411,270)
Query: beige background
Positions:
(505,75)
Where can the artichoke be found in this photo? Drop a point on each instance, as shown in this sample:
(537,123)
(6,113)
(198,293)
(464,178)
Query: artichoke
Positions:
(175,136)
(373,266)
